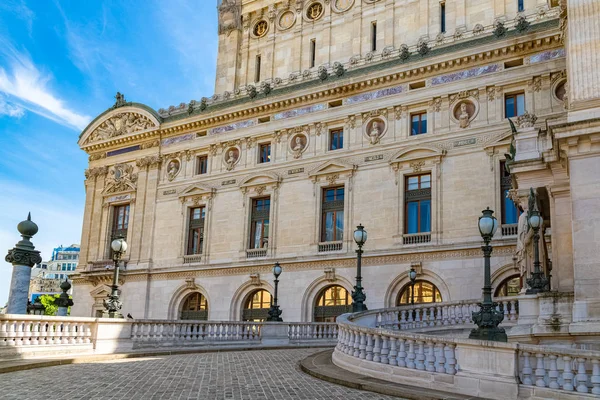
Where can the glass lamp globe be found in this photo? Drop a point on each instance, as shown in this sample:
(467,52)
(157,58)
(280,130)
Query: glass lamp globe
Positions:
(488,223)
(277,270)
(360,235)
(535,219)
(119,245)
(412,274)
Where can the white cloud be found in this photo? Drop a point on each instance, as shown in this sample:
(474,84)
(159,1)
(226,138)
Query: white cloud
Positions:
(12,110)
(27,85)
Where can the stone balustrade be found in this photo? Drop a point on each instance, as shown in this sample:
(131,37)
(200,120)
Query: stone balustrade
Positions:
(194,332)
(380,344)
(35,330)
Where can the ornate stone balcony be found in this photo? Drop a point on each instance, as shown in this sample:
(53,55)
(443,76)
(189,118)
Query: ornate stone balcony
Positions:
(325,247)
(509,229)
(192,258)
(256,253)
(416,238)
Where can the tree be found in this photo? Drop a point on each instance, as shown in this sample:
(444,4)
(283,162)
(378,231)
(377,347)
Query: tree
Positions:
(47,301)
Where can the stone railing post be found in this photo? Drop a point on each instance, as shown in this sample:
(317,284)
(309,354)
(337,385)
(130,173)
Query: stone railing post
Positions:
(23,257)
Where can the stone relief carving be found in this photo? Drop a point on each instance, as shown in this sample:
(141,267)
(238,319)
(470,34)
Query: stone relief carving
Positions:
(375,128)
(121,124)
(95,172)
(231,157)
(526,120)
(229,16)
(464,117)
(173,169)
(97,156)
(121,179)
(298,144)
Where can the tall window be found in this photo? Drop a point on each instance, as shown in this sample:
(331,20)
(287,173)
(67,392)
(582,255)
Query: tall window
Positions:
(336,139)
(264,153)
(313,52)
(195,307)
(201,165)
(509,287)
(332,228)
(521,5)
(120,221)
(256,306)
(373,35)
(257,69)
(196,231)
(259,234)
(418,123)
(417,199)
(331,302)
(514,105)
(442,17)
(510,213)
(425,292)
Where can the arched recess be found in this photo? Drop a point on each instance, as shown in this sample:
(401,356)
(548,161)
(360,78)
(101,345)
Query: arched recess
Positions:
(401,280)
(240,296)
(180,294)
(502,274)
(310,295)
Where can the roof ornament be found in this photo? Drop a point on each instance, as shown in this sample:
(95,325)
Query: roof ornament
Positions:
(120,100)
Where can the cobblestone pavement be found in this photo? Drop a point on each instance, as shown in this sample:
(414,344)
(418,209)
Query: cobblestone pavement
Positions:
(258,374)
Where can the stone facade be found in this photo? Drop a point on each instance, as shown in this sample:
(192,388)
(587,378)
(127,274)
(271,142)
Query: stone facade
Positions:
(151,160)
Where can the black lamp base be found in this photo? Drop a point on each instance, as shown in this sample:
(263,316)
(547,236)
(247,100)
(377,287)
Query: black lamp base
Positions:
(491,334)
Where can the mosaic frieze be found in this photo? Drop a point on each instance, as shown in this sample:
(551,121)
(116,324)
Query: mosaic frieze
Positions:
(547,55)
(374,95)
(178,139)
(299,111)
(469,73)
(231,127)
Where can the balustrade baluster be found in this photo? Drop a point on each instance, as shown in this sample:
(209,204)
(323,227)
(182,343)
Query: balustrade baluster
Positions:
(450,359)
(445,316)
(553,373)
(402,353)
(540,371)
(581,376)
(513,310)
(366,346)
(595,376)
(403,319)
(438,317)
(430,357)
(35,329)
(440,359)
(385,350)
(527,370)
(410,358)
(567,374)
(420,355)
(393,352)
(349,342)
(377,348)
(357,339)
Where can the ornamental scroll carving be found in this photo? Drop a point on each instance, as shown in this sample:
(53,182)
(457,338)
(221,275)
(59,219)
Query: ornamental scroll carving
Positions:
(121,124)
(121,179)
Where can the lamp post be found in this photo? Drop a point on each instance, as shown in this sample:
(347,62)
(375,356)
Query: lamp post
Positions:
(488,318)
(538,282)
(112,303)
(412,275)
(274,311)
(358,295)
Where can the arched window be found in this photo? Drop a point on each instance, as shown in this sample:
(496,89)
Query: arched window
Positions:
(425,292)
(331,302)
(256,306)
(195,307)
(511,286)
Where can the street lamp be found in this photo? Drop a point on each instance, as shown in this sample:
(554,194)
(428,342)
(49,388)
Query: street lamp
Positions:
(412,275)
(358,295)
(112,303)
(538,282)
(274,311)
(488,318)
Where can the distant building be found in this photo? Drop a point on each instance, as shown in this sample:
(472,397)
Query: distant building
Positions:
(47,276)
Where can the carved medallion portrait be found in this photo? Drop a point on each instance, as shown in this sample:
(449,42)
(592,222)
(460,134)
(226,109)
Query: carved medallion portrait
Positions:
(230,157)
(314,11)
(375,128)
(260,28)
(286,20)
(173,168)
(464,112)
(298,144)
(341,6)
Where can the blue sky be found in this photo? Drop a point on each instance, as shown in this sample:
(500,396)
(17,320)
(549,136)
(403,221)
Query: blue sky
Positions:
(61,63)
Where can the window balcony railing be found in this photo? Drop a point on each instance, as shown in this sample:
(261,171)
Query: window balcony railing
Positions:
(192,258)
(256,253)
(330,246)
(416,238)
(510,229)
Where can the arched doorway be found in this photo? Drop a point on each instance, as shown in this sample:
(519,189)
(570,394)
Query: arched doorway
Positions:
(511,286)
(425,292)
(256,306)
(332,301)
(195,307)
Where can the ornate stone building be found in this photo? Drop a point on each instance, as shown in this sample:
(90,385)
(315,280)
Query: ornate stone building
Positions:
(331,113)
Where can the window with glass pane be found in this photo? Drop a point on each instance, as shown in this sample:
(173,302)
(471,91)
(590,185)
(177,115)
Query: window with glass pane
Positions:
(259,234)
(196,230)
(425,292)
(417,197)
(336,139)
(333,214)
(256,306)
(120,221)
(195,307)
(509,287)
(265,153)
(202,165)
(510,213)
(331,302)
(514,105)
(418,123)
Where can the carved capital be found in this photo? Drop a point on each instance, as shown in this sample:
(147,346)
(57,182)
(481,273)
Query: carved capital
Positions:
(19,256)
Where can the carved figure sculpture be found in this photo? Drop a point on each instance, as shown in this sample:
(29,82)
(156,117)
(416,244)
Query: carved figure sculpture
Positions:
(375,133)
(464,117)
(172,169)
(230,160)
(298,147)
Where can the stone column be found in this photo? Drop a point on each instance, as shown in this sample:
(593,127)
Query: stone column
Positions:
(64,302)
(23,257)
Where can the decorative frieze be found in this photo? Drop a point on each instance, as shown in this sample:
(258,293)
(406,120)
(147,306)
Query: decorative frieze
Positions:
(121,179)
(547,56)
(232,127)
(121,124)
(377,94)
(469,73)
(299,111)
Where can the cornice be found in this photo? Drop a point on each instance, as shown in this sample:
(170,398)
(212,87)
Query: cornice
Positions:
(543,36)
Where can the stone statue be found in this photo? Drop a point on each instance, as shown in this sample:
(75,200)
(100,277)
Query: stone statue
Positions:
(297,147)
(375,133)
(524,254)
(464,117)
(230,159)
(172,169)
